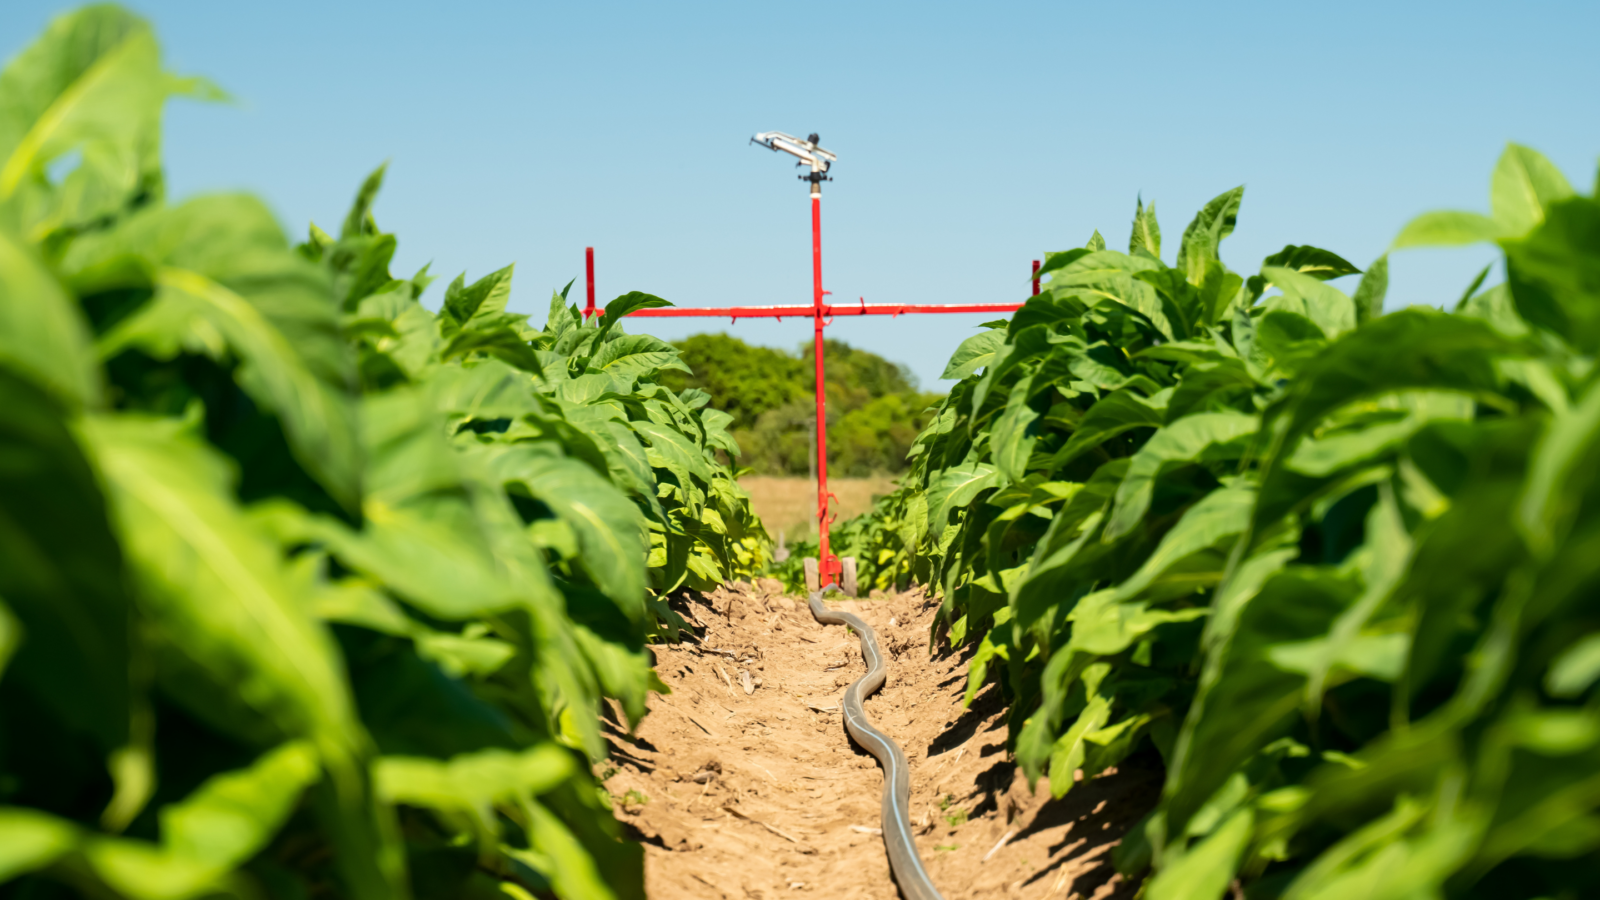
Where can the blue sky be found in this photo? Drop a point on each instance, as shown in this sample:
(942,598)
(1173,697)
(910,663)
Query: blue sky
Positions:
(972,137)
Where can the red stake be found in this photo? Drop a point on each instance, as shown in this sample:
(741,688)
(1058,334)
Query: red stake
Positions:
(1036,278)
(588,265)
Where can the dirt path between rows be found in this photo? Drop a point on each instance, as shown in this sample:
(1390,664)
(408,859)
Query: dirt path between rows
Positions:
(758,793)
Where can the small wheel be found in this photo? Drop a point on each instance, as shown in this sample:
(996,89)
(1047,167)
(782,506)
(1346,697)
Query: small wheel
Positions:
(813,579)
(847,575)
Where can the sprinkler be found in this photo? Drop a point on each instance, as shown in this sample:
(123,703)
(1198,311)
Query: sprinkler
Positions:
(806,149)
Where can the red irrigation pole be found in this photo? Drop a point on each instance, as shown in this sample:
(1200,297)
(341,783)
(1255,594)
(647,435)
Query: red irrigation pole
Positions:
(828,566)
(1036,278)
(588,266)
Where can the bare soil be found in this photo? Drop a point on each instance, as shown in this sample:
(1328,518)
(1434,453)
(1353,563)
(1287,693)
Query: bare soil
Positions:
(759,793)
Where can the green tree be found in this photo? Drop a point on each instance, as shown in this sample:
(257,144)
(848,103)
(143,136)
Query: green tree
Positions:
(744,381)
(874,408)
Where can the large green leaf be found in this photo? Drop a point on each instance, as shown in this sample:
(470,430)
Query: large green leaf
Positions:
(475,307)
(214,585)
(1371,291)
(619,308)
(1523,186)
(637,354)
(470,783)
(1448,229)
(467,787)
(1359,438)
(42,332)
(474,322)
(1115,413)
(226,283)
(1286,338)
(1313,261)
(1202,240)
(1054,262)
(92,82)
(1109,275)
(486,390)
(359,260)
(673,449)
(1102,626)
(572,871)
(1392,856)
(68,51)
(1249,699)
(441,532)
(974,353)
(1208,387)
(609,529)
(1554,273)
(1324,304)
(1205,527)
(1066,757)
(204,837)
(424,533)
(1576,669)
(956,488)
(61,570)
(233,815)
(1559,473)
(1410,349)
(31,840)
(1068,549)
(1204,872)
(1385,557)
(1200,438)
(397,337)
(1021,348)
(1014,434)
(1146,234)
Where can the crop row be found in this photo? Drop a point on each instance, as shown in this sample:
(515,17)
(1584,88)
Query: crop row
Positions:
(306,590)
(1334,568)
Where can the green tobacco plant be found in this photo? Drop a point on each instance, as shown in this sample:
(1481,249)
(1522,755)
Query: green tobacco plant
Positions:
(306,589)
(1332,567)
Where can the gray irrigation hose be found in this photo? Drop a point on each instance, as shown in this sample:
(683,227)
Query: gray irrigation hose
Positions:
(903,859)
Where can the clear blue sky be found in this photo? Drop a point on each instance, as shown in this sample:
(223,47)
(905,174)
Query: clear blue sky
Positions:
(972,137)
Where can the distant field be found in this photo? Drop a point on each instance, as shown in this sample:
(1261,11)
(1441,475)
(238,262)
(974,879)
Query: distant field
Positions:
(790,504)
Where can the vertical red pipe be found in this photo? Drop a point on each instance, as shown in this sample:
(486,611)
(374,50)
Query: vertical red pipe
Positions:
(588,266)
(825,565)
(1036,278)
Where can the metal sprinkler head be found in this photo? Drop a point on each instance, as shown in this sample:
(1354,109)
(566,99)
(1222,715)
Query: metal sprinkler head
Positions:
(805,149)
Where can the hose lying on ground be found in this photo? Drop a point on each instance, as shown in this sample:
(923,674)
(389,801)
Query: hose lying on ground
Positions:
(903,860)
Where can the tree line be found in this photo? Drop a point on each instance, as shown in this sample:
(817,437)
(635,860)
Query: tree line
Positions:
(875,406)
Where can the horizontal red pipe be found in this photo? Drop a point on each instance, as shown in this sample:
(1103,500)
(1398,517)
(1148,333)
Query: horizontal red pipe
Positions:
(743,312)
(895,309)
(839,309)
